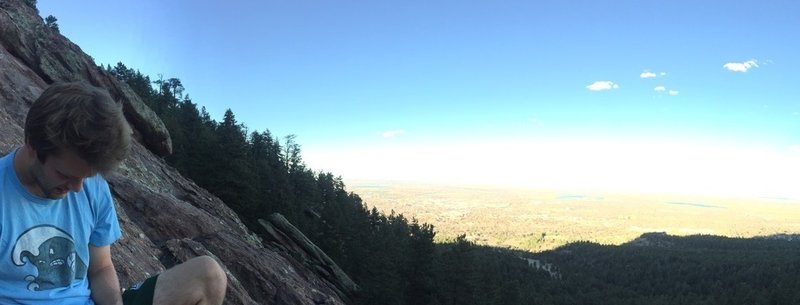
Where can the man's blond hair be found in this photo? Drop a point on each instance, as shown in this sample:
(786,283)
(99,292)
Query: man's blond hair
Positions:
(82,119)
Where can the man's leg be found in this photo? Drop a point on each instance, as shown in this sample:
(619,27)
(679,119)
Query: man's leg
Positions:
(199,280)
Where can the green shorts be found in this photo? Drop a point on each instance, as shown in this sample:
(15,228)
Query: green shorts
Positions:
(141,293)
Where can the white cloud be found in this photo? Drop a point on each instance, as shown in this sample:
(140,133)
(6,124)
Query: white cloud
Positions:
(393,133)
(663,73)
(647,74)
(662,89)
(741,66)
(602,85)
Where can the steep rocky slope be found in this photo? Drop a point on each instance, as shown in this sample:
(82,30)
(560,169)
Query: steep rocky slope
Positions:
(165,218)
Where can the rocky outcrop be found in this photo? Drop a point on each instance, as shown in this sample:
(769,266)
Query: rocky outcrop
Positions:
(166,218)
(284,236)
(551,269)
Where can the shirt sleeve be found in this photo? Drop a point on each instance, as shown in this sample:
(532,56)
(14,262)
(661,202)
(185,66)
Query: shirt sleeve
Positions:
(106,226)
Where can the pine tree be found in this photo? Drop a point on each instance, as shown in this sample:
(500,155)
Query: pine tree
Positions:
(51,22)
(233,178)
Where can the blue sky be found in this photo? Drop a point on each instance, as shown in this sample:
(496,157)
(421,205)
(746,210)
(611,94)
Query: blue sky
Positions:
(652,96)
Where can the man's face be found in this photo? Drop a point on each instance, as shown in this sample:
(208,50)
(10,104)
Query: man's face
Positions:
(60,174)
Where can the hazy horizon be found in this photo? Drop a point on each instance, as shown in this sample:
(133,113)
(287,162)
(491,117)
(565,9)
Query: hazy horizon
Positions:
(565,191)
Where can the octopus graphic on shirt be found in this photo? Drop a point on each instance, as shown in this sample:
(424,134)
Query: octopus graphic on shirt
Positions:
(53,253)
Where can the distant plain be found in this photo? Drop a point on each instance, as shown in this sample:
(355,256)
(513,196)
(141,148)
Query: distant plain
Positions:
(540,219)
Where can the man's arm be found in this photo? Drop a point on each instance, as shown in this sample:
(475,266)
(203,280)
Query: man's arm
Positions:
(103,277)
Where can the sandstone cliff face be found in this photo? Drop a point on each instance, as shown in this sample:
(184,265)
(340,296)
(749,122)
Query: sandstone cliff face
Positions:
(165,218)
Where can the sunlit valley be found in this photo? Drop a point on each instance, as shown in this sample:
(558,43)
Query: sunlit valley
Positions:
(537,220)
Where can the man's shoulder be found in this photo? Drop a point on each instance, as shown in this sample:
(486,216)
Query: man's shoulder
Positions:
(96,189)
(96,179)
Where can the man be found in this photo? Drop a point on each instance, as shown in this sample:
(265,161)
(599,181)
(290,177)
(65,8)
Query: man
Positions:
(57,217)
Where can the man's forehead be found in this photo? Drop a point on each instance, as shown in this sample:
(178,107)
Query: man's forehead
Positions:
(70,164)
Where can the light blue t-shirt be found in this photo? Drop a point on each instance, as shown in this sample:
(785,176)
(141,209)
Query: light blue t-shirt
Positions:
(44,243)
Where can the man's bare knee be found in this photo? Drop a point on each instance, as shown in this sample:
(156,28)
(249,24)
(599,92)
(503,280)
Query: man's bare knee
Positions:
(207,266)
(213,276)
(200,280)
